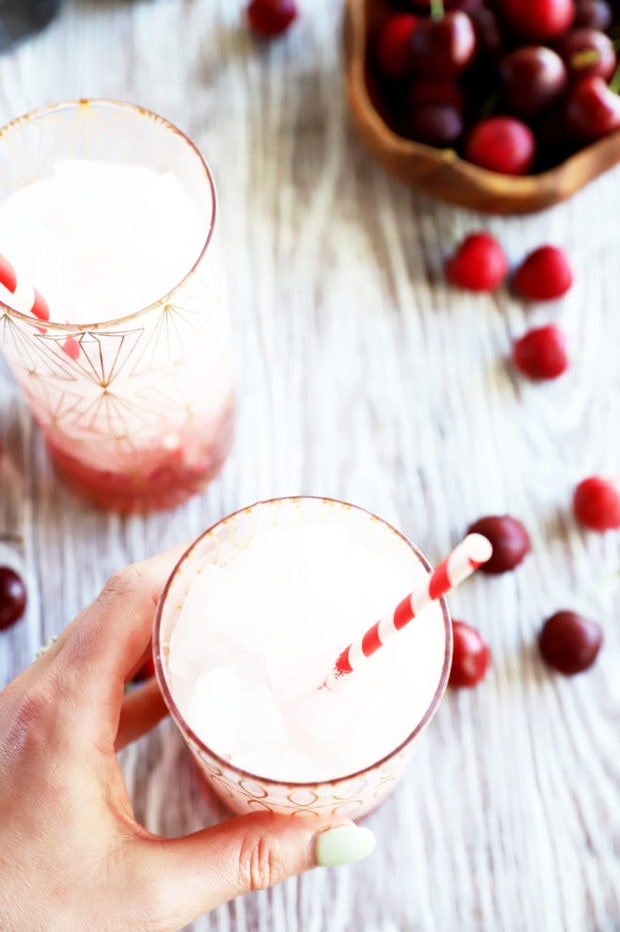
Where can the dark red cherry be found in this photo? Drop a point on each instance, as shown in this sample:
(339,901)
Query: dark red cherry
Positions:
(12,597)
(443,48)
(594,14)
(509,539)
(489,39)
(532,78)
(270,18)
(438,125)
(570,642)
(587,51)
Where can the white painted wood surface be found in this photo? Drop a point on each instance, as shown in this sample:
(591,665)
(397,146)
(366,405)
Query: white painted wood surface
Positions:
(362,376)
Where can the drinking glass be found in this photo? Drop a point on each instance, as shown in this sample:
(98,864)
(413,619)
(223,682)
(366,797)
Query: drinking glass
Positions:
(138,412)
(352,794)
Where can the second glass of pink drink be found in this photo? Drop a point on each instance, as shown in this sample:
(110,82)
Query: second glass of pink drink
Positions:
(109,212)
(246,639)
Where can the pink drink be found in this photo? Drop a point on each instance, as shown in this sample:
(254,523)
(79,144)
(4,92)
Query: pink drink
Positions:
(113,219)
(252,621)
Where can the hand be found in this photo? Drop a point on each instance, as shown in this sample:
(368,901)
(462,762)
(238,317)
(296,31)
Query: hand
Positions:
(72,855)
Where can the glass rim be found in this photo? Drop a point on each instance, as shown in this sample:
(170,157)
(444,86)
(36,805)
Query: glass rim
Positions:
(113,103)
(241,772)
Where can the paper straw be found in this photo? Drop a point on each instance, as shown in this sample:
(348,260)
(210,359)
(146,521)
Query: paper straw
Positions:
(472,552)
(30,301)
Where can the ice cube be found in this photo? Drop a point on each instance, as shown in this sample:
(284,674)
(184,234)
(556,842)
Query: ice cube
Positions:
(234,711)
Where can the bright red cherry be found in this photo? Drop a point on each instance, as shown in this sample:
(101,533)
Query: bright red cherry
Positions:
(470,656)
(270,18)
(541,353)
(570,642)
(443,48)
(509,539)
(501,144)
(393,47)
(12,597)
(544,274)
(592,109)
(479,263)
(538,19)
(596,503)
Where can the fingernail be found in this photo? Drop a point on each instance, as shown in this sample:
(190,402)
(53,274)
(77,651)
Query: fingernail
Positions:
(343,845)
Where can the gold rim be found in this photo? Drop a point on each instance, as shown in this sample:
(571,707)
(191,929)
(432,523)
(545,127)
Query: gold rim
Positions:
(112,104)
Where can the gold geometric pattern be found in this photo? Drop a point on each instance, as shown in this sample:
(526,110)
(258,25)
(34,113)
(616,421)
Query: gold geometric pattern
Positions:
(353,795)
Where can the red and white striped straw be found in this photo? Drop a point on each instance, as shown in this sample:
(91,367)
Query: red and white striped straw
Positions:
(472,552)
(28,300)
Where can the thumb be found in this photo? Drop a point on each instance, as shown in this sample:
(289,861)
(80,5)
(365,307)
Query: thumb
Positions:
(189,876)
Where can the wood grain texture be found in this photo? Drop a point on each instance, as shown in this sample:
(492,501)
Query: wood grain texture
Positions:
(361,375)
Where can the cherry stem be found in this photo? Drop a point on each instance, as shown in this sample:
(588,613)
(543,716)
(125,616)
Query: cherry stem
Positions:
(437,9)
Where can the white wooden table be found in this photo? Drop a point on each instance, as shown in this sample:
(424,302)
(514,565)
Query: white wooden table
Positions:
(361,375)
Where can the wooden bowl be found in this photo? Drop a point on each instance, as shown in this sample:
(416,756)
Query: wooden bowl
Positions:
(441,173)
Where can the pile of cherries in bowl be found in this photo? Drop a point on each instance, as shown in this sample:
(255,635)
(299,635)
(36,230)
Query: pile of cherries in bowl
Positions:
(514,86)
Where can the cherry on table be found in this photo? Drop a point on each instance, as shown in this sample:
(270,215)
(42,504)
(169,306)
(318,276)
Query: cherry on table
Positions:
(269,18)
(596,503)
(13,597)
(545,274)
(570,642)
(501,144)
(509,539)
(470,656)
(541,353)
(479,263)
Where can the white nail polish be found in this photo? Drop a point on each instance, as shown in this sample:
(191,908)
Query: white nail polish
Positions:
(343,845)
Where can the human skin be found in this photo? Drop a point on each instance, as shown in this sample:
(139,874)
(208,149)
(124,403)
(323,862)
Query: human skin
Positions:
(72,854)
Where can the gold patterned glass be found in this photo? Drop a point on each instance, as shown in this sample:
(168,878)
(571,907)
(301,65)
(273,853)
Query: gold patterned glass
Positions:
(139,413)
(352,794)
